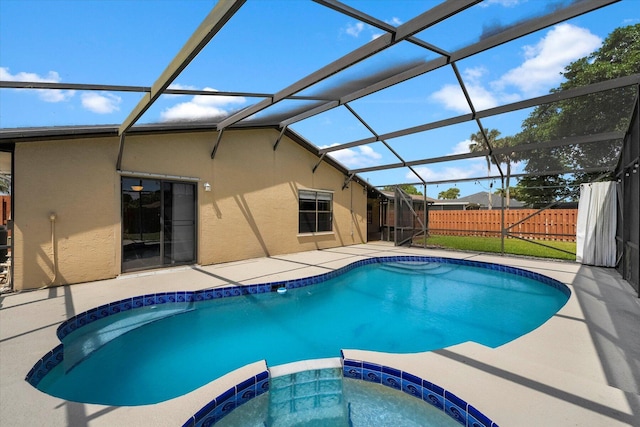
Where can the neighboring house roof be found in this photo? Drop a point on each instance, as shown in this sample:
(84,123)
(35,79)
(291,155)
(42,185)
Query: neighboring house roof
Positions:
(417,197)
(482,199)
(450,202)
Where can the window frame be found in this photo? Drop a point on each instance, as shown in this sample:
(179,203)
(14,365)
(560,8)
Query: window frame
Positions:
(317,212)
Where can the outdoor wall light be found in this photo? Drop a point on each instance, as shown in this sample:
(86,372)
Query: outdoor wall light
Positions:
(137,187)
(207,186)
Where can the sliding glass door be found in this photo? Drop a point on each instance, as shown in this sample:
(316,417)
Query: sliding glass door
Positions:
(179,223)
(158,223)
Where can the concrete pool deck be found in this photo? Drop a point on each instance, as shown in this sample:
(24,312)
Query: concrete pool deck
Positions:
(582,367)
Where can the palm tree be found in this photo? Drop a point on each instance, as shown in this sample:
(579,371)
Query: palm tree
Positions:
(506,159)
(5,183)
(478,144)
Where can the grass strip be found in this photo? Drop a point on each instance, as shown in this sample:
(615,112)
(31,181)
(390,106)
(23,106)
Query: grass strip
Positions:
(511,246)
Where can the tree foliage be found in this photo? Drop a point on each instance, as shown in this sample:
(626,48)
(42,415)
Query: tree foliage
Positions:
(5,183)
(601,112)
(407,188)
(450,194)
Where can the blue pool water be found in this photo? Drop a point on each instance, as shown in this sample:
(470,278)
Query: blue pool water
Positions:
(155,353)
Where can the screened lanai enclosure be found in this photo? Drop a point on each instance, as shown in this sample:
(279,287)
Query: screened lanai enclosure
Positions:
(393,96)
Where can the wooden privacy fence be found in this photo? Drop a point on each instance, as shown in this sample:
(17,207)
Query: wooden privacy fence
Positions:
(550,224)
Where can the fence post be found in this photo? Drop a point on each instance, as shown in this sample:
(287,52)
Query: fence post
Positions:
(502,216)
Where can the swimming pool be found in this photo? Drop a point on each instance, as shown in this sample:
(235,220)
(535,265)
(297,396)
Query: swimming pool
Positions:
(152,348)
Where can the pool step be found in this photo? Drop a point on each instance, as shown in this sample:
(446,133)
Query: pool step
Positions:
(420,268)
(312,397)
(83,342)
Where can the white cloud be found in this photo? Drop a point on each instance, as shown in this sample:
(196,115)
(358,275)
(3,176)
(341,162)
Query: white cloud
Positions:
(179,86)
(395,21)
(540,70)
(358,157)
(452,97)
(474,74)
(201,107)
(354,30)
(504,3)
(461,147)
(52,77)
(101,103)
(475,169)
(545,60)
(48,95)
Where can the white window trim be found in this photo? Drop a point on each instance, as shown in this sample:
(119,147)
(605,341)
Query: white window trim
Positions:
(318,233)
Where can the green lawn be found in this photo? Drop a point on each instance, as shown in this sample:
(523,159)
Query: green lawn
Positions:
(511,246)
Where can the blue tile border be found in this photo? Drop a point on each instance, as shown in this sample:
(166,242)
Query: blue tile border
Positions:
(44,365)
(83,319)
(455,407)
(222,405)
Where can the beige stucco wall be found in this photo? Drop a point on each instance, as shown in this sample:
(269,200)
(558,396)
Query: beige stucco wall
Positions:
(252,210)
(76,181)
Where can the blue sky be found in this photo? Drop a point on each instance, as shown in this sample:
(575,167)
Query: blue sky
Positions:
(269,45)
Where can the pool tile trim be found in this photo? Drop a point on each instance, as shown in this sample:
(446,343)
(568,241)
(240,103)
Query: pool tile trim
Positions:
(226,402)
(455,407)
(94,314)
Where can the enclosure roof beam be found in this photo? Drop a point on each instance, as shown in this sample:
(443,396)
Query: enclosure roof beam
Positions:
(217,18)
(519,175)
(374,22)
(6,84)
(395,153)
(11,84)
(562,95)
(530,26)
(404,31)
(545,99)
(490,154)
(309,113)
(512,33)
(575,140)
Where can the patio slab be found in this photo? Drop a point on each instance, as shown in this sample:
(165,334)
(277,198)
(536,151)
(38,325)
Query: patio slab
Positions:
(582,367)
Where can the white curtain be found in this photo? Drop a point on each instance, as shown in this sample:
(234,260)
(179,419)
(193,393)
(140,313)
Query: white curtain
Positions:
(596,227)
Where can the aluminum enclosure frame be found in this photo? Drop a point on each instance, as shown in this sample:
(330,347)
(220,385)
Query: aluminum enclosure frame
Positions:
(224,12)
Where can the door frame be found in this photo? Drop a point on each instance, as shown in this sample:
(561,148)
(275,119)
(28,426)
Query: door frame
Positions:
(162,180)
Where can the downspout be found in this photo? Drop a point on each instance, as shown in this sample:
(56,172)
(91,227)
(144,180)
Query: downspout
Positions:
(54,253)
(351,210)
(425,224)
(502,230)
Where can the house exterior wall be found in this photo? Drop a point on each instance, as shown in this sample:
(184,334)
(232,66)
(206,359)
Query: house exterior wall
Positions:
(252,210)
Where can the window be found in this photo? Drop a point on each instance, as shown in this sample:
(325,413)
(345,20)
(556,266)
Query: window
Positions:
(315,211)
